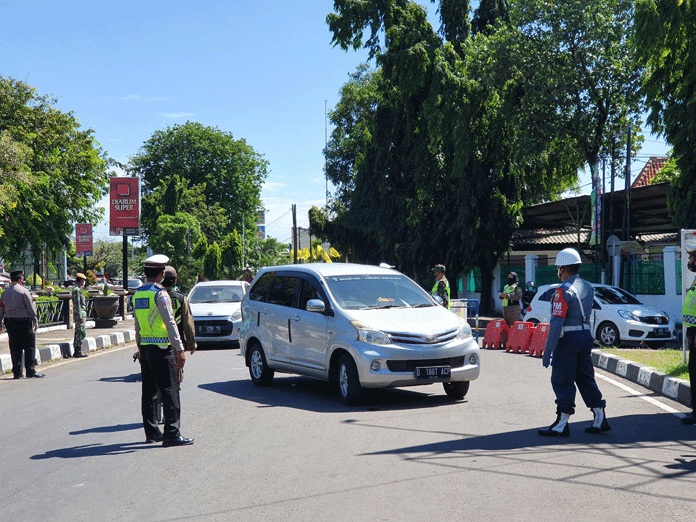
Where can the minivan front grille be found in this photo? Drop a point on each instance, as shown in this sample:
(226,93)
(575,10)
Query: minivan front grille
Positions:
(406,338)
(411,365)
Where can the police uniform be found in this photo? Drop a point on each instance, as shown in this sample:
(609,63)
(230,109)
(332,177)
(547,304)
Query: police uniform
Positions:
(441,286)
(511,295)
(158,340)
(689,320)
(182,311)
(570,342)
(79,316)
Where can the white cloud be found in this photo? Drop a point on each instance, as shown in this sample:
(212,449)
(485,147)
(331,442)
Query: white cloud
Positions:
(176,115)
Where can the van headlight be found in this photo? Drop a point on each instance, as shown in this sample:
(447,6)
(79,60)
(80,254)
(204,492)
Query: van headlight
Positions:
(464,330)
(369,335)
(236,316)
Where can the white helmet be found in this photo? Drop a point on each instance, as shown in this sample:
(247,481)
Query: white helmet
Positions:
(568,256)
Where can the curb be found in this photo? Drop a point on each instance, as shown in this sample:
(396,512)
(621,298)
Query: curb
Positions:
(676,389)
(54,352)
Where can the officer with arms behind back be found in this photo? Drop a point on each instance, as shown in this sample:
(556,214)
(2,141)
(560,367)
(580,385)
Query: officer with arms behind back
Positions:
(182,310)
(162,355)
(689,320)
(570,342)
(79,314)
(441,287)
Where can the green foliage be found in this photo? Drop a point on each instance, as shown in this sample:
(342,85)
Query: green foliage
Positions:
(212,262)
(231,256)
(665,32)
(91,278)
(59,171)
(227,172)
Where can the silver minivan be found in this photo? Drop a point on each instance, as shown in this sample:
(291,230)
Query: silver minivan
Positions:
(356,326)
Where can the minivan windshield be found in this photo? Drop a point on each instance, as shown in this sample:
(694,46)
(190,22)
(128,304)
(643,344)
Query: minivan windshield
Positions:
(611,295)
(359,292)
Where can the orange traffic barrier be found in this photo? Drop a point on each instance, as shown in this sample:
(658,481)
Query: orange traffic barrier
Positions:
(496,335)
(538,342)
(519,337)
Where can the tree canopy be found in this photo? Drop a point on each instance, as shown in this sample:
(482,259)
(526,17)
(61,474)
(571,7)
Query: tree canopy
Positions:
(52,173)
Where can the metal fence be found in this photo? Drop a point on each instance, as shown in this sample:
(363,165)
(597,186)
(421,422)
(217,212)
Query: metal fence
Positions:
(50,312)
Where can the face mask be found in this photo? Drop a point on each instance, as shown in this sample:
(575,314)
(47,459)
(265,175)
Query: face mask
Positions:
(510,280)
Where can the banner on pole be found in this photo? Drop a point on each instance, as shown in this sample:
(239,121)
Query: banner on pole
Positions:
(83,239)
(124,207)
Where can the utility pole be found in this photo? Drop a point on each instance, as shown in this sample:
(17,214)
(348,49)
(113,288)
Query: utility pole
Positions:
(294,232)
(627,212)
(326,145)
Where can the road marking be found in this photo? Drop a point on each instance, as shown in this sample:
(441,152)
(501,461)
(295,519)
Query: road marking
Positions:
(641,395)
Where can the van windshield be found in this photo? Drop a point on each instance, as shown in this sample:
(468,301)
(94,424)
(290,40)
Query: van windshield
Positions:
(359,292)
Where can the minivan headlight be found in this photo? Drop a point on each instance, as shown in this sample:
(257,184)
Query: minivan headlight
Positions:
(464,330)
(370,335)
(628,315)
(236,315)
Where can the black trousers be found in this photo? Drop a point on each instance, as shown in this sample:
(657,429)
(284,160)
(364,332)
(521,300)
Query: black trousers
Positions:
(20,334)
(690,334)
(160,372)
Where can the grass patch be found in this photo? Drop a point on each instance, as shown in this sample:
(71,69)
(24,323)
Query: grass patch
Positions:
(665,360)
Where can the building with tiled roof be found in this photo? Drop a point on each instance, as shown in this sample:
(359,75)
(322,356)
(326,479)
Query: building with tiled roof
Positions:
(651,168)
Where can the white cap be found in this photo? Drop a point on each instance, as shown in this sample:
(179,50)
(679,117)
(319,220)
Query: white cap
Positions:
(156,261)
(568,256)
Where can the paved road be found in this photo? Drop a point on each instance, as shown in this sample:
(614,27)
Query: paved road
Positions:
(73,449)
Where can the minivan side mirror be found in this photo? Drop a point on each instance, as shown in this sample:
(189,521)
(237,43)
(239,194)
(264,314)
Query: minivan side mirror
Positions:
(316,305)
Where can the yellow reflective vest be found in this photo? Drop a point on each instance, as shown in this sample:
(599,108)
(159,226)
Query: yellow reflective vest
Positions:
(689,308)
(152,327)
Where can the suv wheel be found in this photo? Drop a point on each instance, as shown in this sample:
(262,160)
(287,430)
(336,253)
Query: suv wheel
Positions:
(456,390)
(349,388)
(259,371)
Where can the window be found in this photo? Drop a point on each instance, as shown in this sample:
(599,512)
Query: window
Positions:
(308,291)
(282,290)
(259,292)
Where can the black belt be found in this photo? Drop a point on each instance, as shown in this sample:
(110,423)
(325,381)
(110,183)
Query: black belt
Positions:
(511,302)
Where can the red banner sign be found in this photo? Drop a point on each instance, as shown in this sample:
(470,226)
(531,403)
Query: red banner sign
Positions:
(124,207)
(83,239)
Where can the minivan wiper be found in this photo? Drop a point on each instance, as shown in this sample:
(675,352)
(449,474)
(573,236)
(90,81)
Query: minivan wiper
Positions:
(423,305)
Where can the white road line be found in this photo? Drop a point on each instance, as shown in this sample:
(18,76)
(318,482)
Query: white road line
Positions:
(636,393)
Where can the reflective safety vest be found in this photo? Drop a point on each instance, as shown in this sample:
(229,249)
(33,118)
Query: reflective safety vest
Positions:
(689,308)
(508,290)
(152,327)
(447,289)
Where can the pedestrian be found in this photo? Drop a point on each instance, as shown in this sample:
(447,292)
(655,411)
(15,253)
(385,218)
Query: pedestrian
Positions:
(161,355)
(441,287)
(527,297)
(182,310)
(689,320)
(21,322)
(570,343)
(79,314)
(511,295)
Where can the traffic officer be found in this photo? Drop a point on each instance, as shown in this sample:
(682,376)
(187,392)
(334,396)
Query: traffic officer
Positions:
(79,314)
(570,342)
(511,295)
(441,287)
(182,310)
(161,355)
(689,320)
(18,310)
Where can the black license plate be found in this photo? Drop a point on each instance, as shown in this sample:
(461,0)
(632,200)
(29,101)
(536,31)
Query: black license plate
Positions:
(434,372)
(210,329)
(661,331)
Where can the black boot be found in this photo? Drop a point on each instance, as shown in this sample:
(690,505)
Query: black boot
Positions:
(559,428)
(689,418)
(600,424)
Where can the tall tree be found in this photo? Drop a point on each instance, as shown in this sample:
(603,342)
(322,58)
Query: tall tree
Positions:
(65,171)
(230,171)
(666,46)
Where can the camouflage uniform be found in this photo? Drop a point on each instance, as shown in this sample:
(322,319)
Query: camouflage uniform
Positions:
(79,317)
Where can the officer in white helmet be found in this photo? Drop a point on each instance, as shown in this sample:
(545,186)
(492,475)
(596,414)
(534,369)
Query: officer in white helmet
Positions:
(570,343)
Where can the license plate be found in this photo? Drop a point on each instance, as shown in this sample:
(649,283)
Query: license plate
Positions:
(661,331)
(210,329)
(433,372)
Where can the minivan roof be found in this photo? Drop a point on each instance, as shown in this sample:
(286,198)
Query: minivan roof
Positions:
(332,269)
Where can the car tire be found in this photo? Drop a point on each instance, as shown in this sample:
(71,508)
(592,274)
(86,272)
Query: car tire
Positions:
(259,371)
(348,381)
(655,345)
(456,390)
(608,334)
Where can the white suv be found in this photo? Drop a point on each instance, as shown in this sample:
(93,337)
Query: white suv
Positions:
(617,317)
(356,326)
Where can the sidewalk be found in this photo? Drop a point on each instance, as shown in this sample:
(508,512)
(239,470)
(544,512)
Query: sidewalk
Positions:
(56,342)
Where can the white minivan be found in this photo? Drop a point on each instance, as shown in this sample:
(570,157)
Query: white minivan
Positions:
(356,326)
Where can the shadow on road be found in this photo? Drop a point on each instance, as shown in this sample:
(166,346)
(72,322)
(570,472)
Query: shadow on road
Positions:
(109,429)
(94,450)
(317,396)
(133,377)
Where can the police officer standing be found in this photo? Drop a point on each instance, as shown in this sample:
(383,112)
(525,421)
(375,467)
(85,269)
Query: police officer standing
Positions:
(689,320)
(182,310)
(79,314)
(19,312)
(570,342)
(511,295)
(162,355)
(441,287)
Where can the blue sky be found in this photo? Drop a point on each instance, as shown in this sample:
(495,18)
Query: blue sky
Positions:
(264,71)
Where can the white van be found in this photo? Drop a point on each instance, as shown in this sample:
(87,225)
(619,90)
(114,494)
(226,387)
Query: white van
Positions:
(356,326)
